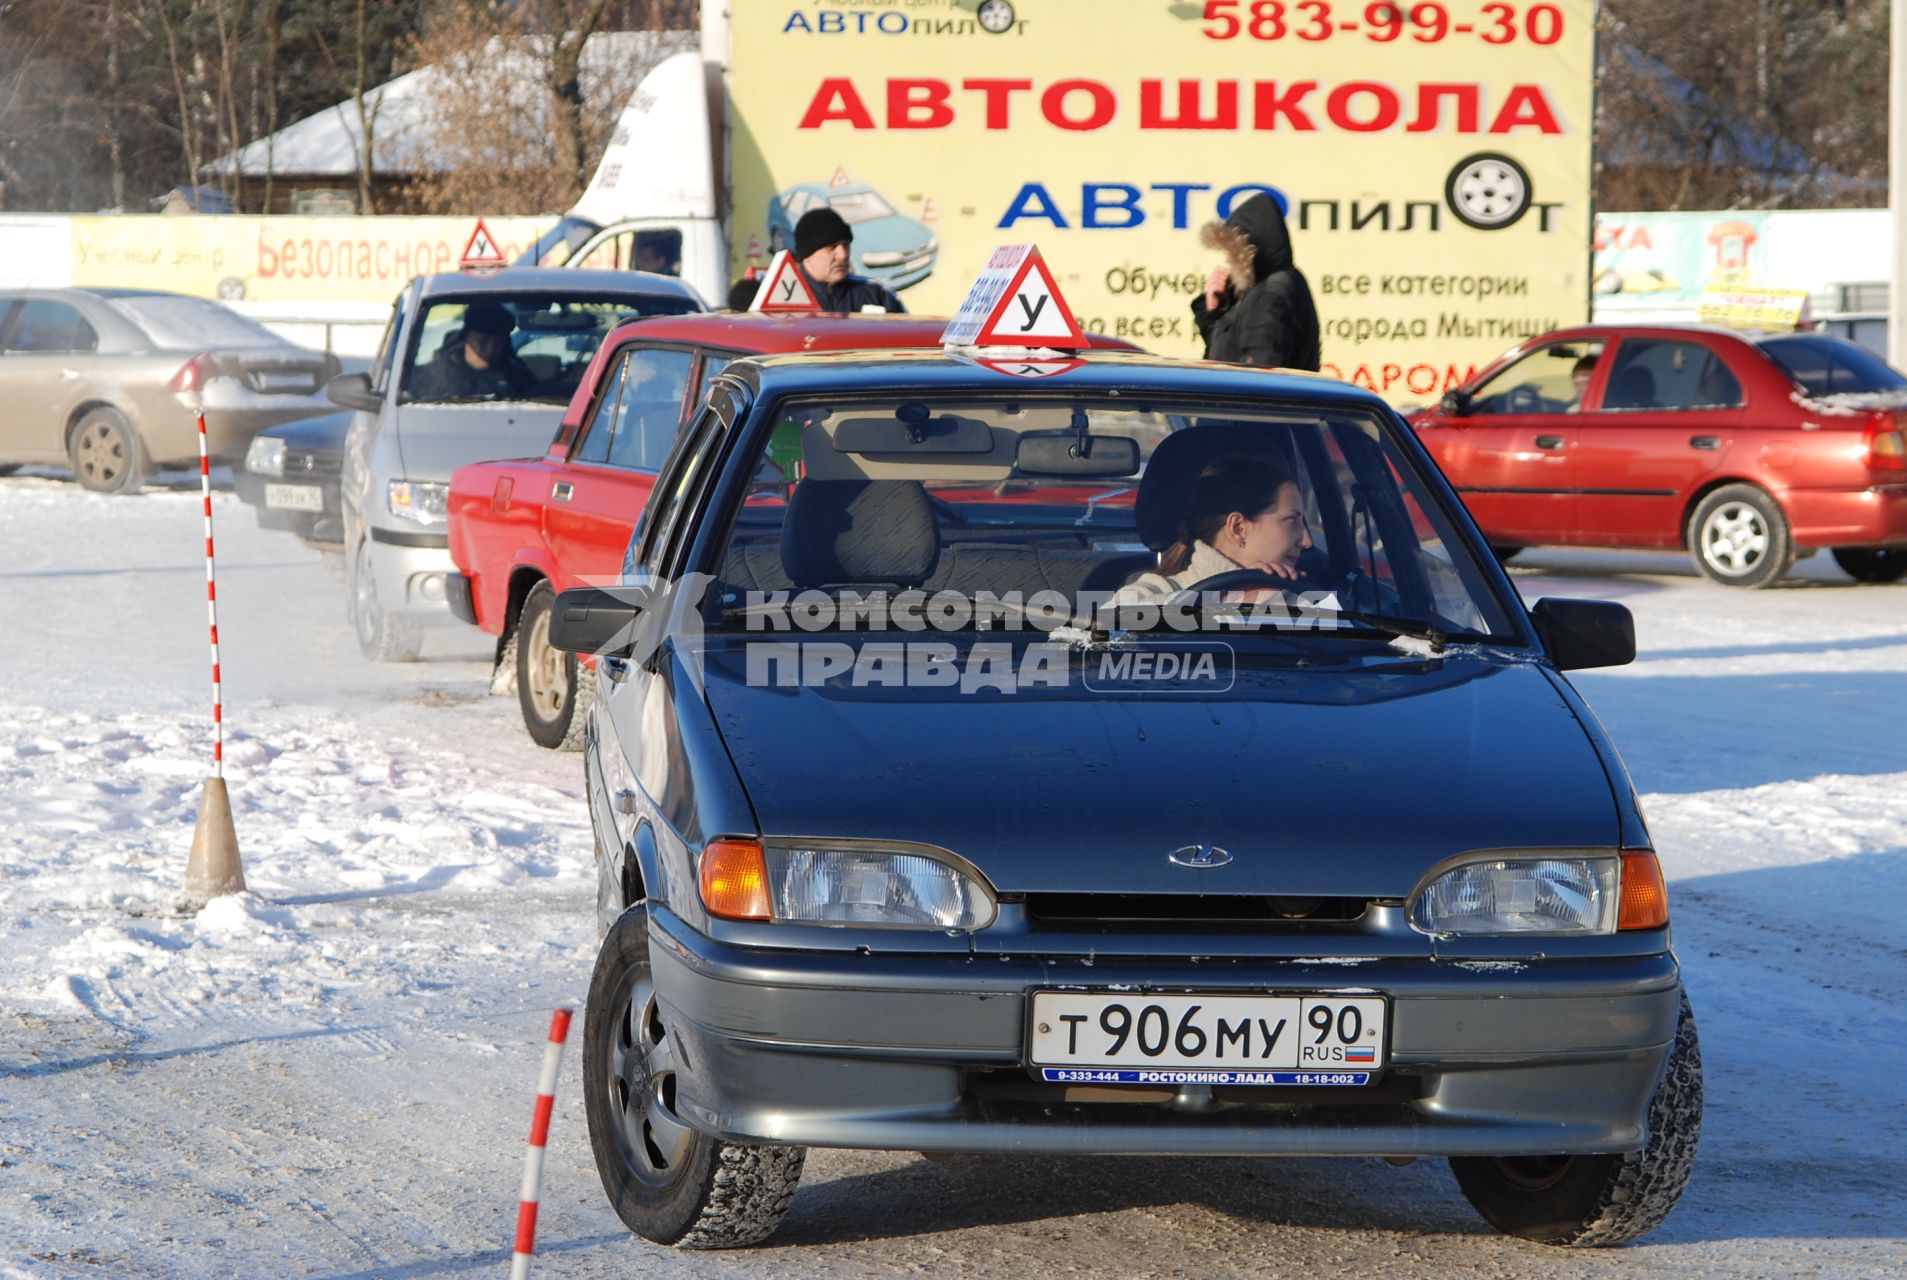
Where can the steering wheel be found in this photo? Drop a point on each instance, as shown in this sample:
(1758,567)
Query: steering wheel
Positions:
(1252,579)
(1524,398)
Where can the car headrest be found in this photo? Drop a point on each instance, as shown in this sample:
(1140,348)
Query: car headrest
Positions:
(840,532)
(1165,491)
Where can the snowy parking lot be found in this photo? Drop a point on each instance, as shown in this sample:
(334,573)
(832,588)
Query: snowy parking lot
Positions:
(332,1075)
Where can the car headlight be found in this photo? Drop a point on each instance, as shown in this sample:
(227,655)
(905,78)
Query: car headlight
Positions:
(849,883)
(1522,895)
(884,258)
(266,457)
(419,501)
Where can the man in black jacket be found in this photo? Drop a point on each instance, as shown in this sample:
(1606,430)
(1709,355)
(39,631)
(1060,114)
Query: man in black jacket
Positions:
(1257,308)
(821,247)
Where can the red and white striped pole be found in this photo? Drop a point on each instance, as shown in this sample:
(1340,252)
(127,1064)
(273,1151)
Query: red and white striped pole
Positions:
(214,866)
(539,1138)
(212,606)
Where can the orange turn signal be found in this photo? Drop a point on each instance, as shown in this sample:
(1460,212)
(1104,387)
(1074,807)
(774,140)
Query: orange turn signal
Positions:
(734,880)
(1645,899)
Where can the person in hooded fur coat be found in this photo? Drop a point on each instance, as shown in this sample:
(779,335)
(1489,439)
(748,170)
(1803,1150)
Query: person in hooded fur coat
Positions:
(1257,308)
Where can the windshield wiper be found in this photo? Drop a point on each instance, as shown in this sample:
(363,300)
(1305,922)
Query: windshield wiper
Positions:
(1389,624)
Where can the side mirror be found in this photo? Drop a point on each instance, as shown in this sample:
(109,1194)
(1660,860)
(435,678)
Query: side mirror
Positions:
(1455,403)
(353,391)
(1585,633)
(597,620)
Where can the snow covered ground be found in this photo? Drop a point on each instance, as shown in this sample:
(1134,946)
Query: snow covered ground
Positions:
(332,1075)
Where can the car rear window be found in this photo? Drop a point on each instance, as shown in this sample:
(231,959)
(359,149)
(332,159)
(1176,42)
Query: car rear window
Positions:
(1824,366)
(183,324)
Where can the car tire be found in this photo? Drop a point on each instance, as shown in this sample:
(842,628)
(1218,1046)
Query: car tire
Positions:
(106,452)
(776,241)
(1739,537)
(1872,564)
(668,1182)
(381,638)
(1504,554)
(553,688)
(8,468)
(1601,1200)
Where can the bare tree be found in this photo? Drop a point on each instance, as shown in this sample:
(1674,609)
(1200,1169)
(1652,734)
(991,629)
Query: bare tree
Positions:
(523,99)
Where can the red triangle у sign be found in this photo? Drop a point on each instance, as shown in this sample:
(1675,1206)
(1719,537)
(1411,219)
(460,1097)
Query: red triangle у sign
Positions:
(784,288)
(1031,312)
(482,250)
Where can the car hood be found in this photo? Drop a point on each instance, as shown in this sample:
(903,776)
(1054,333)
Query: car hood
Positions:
(1346,781)
(323,434)
(435,439)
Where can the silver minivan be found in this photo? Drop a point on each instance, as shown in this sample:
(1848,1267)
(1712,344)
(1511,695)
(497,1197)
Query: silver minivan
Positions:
(470,368)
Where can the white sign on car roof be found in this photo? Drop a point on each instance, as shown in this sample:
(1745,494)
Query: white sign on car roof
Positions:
(1014,302)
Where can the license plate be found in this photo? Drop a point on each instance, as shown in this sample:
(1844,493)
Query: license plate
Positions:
(294,497)
(299,382)
(1078,1037)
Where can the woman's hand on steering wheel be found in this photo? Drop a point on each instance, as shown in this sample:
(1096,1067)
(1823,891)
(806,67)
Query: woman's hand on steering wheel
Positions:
(1254,584)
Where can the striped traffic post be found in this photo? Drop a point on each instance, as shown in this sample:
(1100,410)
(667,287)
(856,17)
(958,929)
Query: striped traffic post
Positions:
(214,866)
(533,1154)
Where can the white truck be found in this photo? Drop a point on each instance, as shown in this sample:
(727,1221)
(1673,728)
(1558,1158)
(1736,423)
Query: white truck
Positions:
(654,190)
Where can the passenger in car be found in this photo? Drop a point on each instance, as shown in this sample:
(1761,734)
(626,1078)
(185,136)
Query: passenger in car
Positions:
(1245,513)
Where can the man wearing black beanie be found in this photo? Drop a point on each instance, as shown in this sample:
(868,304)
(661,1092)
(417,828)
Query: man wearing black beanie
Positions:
(821,248)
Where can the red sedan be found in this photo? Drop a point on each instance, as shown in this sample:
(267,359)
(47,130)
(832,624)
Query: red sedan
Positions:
(523,530)
(1745,449)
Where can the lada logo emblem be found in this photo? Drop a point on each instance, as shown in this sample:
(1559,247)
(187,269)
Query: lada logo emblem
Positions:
(1200,855)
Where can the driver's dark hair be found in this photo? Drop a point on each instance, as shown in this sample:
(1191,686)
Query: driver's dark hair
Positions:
(1248,485)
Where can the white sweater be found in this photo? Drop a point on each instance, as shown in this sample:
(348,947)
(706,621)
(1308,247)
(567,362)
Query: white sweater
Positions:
(1206,562)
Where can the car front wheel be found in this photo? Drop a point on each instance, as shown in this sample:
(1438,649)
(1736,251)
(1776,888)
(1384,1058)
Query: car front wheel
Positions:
(381,638)
(553,688)
(1739,537)
(668,1182)
(1601,1200)
(1872,564)
(106,454)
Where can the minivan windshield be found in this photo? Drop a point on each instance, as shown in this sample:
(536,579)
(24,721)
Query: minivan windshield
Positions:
(1096,502)
(1824,365)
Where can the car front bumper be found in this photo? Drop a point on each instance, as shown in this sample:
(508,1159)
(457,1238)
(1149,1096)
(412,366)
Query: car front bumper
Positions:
(413,567)
(924,1053)
(324,525)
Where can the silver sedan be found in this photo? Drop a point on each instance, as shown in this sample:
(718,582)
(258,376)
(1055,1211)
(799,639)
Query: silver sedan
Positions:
(110,381)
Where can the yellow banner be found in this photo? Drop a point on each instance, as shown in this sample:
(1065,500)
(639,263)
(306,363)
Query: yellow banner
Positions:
(1433,158)
(277,258)
(1746,307)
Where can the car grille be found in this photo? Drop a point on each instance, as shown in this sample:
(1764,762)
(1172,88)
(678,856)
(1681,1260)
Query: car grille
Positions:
(1106,908)
(312,464)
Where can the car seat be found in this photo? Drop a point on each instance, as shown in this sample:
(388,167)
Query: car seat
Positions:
(859,532)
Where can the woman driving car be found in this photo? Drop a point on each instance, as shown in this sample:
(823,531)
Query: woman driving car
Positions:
(1245,513)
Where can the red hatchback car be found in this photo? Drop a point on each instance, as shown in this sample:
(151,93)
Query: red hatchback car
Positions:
(1746,449)
(523,530)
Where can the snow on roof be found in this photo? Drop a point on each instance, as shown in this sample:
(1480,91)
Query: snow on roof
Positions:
(327,143)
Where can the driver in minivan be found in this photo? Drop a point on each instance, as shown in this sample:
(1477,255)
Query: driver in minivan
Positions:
(479,363)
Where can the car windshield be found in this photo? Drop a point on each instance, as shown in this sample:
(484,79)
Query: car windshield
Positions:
(1092,505)
(516,346)
(860,206)
(557,245)
(192,324)
(1823,365)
